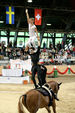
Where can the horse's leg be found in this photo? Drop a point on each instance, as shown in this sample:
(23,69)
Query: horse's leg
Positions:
(48,109)
(54,106)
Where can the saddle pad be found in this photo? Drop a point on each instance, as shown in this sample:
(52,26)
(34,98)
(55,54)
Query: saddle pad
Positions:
(44,92)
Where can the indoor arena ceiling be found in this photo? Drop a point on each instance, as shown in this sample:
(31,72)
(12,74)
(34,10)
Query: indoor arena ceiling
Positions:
(60,14)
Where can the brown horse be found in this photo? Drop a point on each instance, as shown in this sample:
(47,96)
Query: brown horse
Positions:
(33,100)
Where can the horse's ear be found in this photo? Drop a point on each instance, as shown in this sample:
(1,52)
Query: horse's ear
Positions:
(60,83)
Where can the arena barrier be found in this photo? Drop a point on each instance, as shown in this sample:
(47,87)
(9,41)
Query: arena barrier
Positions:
(25,75)
(15,80)
(55,71)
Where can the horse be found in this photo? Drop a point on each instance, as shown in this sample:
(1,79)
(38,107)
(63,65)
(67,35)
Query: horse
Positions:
(33,100)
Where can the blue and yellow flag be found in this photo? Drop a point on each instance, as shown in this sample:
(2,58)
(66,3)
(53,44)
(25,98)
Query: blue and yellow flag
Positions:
(10,15)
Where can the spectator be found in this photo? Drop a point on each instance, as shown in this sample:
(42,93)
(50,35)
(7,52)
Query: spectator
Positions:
(50,46)
(59,57)
(18,53)
(65,56)
(22,50)
(3,49)
(69,58)
(59,46)
(10,45)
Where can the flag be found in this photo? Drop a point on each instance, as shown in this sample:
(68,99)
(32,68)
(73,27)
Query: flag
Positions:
(38,16)
(10,15)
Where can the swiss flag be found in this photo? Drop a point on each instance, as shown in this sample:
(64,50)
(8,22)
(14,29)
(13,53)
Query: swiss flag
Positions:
(38,16)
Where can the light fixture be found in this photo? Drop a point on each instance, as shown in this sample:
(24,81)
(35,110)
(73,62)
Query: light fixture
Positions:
(1,22)
(48,24)
(29,1)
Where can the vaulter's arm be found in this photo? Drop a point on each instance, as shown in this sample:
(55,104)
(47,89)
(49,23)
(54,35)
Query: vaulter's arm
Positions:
(37,36)
(27,15)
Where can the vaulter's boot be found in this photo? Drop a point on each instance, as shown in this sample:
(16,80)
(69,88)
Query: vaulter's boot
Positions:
(55,96)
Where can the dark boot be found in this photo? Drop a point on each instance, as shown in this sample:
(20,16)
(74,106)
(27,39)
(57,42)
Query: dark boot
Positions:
(55,96)
(36,86)
(39,85)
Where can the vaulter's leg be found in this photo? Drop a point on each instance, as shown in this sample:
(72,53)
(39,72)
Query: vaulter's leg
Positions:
(44,70)
(39,75)
(42,74)
(34,70)
(27,45)
(55,96)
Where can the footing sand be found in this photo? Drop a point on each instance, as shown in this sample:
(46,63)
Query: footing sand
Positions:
(9,96)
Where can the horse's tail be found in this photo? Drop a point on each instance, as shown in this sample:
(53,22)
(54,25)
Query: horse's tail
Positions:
(20,104)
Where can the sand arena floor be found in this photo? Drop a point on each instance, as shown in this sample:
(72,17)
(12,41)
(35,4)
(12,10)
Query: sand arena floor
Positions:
(9,96)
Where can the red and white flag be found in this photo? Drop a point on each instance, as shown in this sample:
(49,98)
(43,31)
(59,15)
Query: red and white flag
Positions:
(38,16)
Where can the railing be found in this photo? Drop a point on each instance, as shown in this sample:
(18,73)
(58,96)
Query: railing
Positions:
(55,71)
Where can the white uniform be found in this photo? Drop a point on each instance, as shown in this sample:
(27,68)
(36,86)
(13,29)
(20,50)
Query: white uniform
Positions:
(32,36)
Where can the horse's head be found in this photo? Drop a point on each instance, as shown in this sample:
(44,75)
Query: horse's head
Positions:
(55,86)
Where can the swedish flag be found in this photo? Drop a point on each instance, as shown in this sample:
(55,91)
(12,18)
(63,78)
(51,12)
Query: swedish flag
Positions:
(10,15)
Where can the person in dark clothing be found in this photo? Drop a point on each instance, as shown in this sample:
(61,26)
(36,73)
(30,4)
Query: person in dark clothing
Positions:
(37,68)
(41,74)
(34,55)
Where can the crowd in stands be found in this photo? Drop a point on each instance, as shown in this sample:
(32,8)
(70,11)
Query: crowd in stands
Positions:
(60,55)
(12,52)
(50,56)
